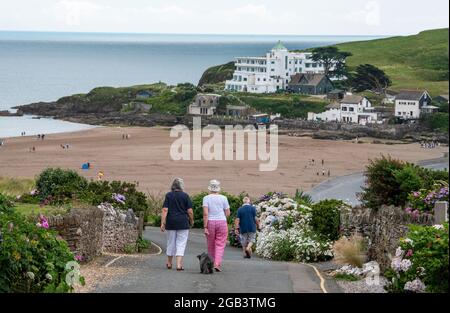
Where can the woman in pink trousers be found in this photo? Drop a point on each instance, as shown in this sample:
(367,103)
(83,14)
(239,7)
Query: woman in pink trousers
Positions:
(215,212)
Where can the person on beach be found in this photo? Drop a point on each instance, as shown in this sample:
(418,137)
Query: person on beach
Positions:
(216,209)
(177,217)
(246,224)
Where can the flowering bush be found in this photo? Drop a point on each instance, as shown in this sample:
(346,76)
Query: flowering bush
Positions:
(286,233)
(421,261)
(32,259)
(423,201)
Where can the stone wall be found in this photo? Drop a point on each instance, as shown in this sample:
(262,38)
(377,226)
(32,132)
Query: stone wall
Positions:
(91,231)
(82,229)
(383,228)
(119,230)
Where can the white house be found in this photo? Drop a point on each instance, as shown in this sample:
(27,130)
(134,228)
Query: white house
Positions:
(357,109)
(271,72)
(204,104)
(332,114)
(409,104)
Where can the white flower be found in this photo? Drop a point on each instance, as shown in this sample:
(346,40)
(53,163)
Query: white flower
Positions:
(399,252)
(415,286)
(30,275)
(48,276)
(438,227)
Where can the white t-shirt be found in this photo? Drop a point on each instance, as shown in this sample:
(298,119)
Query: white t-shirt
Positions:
(217,204)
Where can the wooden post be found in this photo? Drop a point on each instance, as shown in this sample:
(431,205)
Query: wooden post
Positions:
(441,212)
(141,224)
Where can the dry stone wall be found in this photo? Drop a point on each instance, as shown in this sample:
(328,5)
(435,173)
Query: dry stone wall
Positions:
(383,228)
(91,231)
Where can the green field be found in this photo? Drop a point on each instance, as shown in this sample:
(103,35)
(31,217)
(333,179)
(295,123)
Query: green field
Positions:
(288,105)
(412,62)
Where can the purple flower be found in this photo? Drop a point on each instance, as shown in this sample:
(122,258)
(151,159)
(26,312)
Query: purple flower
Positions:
(415,213)
(119,198)
(408,210)
(79,258)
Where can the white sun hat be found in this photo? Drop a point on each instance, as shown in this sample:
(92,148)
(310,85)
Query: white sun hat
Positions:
(214,185)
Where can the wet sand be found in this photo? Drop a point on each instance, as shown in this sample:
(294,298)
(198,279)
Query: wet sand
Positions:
(145,158)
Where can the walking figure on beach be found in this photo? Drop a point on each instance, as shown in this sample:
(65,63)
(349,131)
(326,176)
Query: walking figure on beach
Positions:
(216,209)
(176,219)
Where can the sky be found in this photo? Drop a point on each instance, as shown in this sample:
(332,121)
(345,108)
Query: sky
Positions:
(289,17)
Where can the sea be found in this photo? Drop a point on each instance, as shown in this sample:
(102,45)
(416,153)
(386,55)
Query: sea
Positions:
(44,66)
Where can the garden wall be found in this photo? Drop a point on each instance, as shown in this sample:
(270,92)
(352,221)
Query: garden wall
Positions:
(82,229)
(383,228)
(91,231)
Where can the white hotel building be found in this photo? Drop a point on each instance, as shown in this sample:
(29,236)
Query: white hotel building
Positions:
(272,72)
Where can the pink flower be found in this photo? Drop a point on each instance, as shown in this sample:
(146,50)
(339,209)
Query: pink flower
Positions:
(416,194)
(409,253)
(408,210)
(79,258)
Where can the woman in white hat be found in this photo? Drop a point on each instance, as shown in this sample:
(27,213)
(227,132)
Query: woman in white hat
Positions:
(216,209)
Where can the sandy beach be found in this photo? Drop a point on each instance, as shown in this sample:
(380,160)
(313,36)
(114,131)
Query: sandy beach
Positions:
(145,158)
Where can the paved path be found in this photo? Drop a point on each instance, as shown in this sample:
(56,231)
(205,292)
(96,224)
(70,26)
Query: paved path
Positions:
(148,273)
(346,187)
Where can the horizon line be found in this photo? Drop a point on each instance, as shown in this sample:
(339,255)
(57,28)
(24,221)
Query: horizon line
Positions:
(196,34)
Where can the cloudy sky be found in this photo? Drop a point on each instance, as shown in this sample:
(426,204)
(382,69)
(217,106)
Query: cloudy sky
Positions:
(299,17)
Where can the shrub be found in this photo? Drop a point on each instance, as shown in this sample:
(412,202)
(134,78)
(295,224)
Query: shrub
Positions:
(421,261)
(101,192)
(142,244)
(302,197)
(350,251)
(325,219)
(32,259)
(287,233)
(5,205)
(423,201)
(61,185)
(389,182)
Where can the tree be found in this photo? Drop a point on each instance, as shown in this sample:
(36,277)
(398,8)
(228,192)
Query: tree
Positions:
(332,59)
(369,77)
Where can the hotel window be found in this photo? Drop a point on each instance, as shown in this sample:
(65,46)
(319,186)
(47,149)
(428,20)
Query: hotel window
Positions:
(264,79)
(351,109)
(344,108)
(314,65)
(245,79)
(273,70)
(308,65)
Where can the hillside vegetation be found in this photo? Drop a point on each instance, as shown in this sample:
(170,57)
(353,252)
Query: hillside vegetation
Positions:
(412,62)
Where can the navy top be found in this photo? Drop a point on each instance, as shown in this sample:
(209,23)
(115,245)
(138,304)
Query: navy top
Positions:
(247,215)
(177,203)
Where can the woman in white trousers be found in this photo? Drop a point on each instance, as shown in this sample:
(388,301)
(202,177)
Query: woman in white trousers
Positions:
(176,219)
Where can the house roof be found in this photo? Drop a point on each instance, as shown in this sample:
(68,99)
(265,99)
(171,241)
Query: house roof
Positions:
(410,94)
(391,92)
(279,46)
(352,99)
(336,91)
(307,79)
(334,105)
(444,97)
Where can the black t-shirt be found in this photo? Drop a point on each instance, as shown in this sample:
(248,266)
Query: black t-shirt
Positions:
(177,202)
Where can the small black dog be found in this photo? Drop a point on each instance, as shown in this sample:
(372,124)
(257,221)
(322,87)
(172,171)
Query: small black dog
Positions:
(206,263)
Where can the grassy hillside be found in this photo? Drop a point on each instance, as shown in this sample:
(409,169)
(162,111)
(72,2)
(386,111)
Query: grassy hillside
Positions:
(217,74)
(418,61)
(412,62)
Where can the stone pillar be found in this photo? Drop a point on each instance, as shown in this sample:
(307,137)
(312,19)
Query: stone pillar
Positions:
(441,212)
